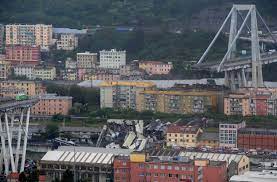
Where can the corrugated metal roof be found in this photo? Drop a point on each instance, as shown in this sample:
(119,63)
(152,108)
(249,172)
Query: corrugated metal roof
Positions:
(213,156)
(91,155)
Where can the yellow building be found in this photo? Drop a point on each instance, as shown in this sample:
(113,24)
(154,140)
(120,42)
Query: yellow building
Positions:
(122,94)
(183,136)
(30,88)
(183,102)
(44,73)
(5,69)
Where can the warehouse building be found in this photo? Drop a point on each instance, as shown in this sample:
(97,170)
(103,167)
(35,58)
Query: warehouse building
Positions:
(90,163)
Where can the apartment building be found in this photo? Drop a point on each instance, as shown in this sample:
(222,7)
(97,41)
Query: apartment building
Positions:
(51,104)
(5,69)
(24,70)
(2,31)
(86,60)
(38,35)
(70,64)
(18,54)
(156,67)
(179,101)
(44,73)
(208,139)
(251,102)
(138,167)
(112,59)
(183,136)
(30,88)
(257,138)
(122,94)
(67,42)
(228,133)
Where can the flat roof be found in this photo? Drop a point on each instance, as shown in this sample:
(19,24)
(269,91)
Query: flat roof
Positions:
(85,155)
(127,83)
(256,176)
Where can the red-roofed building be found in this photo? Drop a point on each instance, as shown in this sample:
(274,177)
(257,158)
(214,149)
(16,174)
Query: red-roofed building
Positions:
(156,67)
(183,136)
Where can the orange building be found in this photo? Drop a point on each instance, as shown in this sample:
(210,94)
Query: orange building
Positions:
(51,104)
(30,88)
(19,54)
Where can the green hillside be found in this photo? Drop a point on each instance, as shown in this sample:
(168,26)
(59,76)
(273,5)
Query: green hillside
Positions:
(78,13)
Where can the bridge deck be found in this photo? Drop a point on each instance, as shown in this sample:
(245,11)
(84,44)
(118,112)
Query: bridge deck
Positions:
(18,104)
(236,63)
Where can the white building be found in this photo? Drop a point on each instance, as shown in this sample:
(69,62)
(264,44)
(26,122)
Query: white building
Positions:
(24,70)
(70,64)
(86,60)
(228,133)
(112,59)
(67,42)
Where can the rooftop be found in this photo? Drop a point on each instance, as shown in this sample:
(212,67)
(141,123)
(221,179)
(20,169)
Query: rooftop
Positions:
(127,83)
(256,131)
(209,136)
(182,129)
(153,62)
(213,156)
(68,30)
(180,93)
(84,155)
(54,96)
(256,176)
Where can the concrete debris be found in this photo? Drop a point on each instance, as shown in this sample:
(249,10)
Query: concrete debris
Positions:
(131,134)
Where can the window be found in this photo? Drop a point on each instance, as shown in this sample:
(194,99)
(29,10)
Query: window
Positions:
(169,167)
(177,168)
(141,165)
(156,175)
(162,167)
(170,175)
(156,166)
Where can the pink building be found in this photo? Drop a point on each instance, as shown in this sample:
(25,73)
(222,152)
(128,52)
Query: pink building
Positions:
(19,54)
(156,67)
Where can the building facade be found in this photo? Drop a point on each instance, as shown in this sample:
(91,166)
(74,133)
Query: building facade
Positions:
(254,138)
(138,167)
(228,134)
(177,101)
(18,54)
(156,67)
(86,60)
(67,42)
(44,73)
(122,94)
(38,35)
(31,88)
(251,102)
(24,70)
(183,136)
(112,59)
(92,164)
(51,104)
(5,69)
(2,31)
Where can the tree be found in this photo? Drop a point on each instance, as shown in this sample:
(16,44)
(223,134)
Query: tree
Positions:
(52,131)
(67,176)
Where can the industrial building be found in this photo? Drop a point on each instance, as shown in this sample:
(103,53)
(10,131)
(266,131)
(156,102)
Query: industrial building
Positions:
(236,164)
(89,163)
(122,94)
(256,138)
(140,167)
